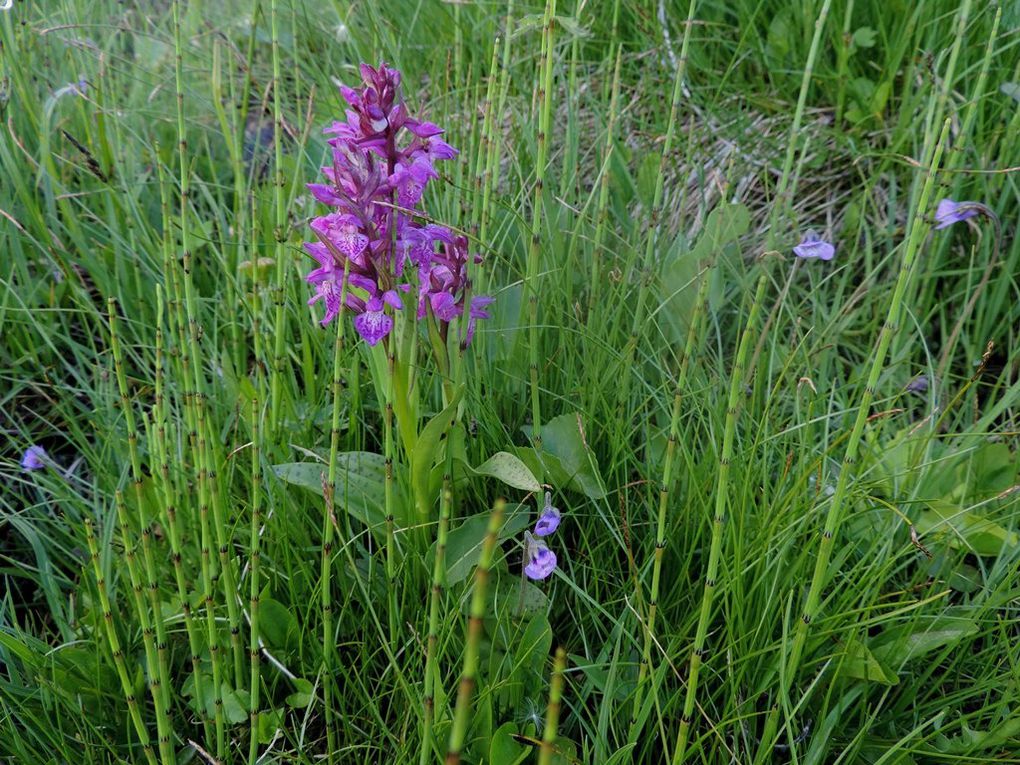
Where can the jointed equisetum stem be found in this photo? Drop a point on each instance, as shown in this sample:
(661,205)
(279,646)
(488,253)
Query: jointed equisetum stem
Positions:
(469,671)
(552,712)
(199,437)
(738,377)
(279,235)
(602,207)
(254,655)
(155,653)
(834,516)
(664,491)
(655,214)
(115,648)
(544,125)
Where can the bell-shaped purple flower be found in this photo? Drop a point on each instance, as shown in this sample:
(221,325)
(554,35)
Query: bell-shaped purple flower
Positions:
(34,458)
(949,212)
(539,560)
(813,246)
(549,520)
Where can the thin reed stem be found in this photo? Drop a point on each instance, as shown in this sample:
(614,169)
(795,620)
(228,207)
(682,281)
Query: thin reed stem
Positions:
(552,712)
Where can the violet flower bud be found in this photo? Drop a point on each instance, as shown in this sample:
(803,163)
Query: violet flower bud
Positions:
(549,520)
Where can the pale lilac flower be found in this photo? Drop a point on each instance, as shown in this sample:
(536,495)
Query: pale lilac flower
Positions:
(949,212)
(918,385)
(813,246)
(540,561)
(35,458)
(549,520)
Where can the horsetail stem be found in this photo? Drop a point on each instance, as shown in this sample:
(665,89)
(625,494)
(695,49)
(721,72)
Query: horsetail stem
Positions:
(494,146)
(602,207)
(655,212)
(834,516)
(199,436)
(254,656)
(162,452)
(114,642)
(544,123)
(664,492)
(435,602)
(469,670)
(230,590)
(159,678)
(738,377)
(552,712)
(278,230)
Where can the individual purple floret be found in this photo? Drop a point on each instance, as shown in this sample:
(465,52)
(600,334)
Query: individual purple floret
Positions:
(549,520)
(949,212)
(813,246)
(34,458)
(382,160)
(540,560)
(918,385)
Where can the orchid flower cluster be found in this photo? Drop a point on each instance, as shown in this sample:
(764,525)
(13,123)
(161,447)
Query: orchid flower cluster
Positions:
(374,249)
(539,560)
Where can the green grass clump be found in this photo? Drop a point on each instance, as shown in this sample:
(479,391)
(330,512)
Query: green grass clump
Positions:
(789,488)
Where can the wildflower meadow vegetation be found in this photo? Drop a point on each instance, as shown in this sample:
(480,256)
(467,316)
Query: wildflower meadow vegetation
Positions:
(506,382)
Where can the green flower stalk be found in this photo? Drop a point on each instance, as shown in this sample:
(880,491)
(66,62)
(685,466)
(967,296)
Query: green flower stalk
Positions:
(435,603)
(469,671)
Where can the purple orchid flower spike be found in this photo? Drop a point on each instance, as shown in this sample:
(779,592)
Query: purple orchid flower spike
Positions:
(949,212)
(34,458)
(549,520)
(813,246)
(540,560)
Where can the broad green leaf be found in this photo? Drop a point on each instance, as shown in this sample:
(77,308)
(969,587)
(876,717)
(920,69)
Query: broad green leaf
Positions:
(464,543)
(566,458)
(898,645)
(270,721)
(971,740)
(427,447)
(302,695)
(279,627)
(964,529)
(504,749)
(865,37)
(235,704)
(509,469)
(860,663)
(360,484)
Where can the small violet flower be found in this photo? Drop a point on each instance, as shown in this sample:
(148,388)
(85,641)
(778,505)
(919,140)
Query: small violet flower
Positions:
(918,385)
(541,561)
(35,458)
(813,246)
(949,212)
(549,521)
